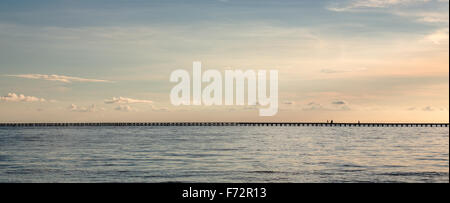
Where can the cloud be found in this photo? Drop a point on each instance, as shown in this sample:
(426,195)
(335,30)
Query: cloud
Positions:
(364,4)
(331,70)
(340,105)
(125,108)
(160,109)
(439,36)
(124,100)
(313,106)
(91,108)
(335,106)
(338,102)
(59,78)
(426,108)
(13,97)
(327,70)
(427,17)
(417,10)
(435,16)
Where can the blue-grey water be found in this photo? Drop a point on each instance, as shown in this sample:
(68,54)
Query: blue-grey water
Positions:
(224,154)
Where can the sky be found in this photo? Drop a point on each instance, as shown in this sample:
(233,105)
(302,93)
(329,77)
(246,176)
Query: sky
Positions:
(110,61)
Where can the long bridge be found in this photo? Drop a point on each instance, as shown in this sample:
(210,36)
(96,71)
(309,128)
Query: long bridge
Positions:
(315,124)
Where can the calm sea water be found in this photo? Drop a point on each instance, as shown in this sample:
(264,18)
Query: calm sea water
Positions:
(224,154)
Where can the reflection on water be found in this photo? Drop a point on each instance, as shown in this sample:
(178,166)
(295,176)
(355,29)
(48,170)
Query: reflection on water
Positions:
(224,154)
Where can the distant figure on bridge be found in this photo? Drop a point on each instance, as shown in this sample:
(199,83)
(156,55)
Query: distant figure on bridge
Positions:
(359,122)
(327,121)
(331,121)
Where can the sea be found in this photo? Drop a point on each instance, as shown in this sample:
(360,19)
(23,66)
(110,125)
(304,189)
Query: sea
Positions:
(230,154)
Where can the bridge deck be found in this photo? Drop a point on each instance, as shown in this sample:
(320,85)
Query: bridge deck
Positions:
(228,124)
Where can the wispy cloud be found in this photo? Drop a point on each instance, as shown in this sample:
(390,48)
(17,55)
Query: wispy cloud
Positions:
(125,108)
(13,97)
(332,70)
(427,17)
(338,102)
(361,4)
(313,106)
(289,102)
(414,9)
(439,36)
(427,108)
(59,78)
(160,109)
(337,105)
(91,108)
(125,100)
